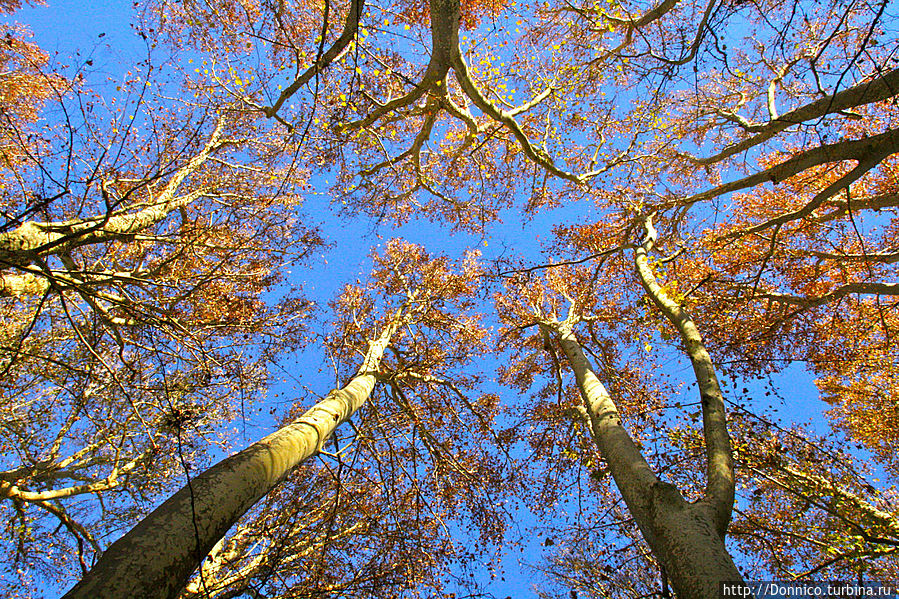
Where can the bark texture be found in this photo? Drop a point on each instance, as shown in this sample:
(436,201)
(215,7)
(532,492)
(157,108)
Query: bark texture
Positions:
(155,559)
(684,537)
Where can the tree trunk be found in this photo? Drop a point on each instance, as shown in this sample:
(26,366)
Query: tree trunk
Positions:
(687,544)
(682,536)
(155,559)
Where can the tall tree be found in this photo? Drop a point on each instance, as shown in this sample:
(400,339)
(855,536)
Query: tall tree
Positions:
(133,260)
(213,501)
(687,538)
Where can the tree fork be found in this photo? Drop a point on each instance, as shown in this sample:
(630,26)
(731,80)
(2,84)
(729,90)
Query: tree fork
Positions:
(683,536)
(719,452)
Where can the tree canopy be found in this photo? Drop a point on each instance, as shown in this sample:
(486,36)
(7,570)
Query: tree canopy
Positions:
(353,299)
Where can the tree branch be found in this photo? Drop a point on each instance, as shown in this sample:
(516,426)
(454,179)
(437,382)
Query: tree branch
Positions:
(719,452)
(878,89)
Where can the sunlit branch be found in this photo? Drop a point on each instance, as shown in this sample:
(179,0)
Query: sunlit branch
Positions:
(415,150)
(868,152)
(828,192)
(337,50)
(631,26)
(633,475)
(697,40)
(112,481)
(19,246)
(880,88)
(227,576)
(444,37)
(891,257)
(884,289)
(719,452)
(818,483)
(779,75)
(844,205)
(536,155)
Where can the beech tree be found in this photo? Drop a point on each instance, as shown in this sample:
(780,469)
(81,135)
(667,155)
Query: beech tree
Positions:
(713,182)
(213,501)
(416,457)
(687,538)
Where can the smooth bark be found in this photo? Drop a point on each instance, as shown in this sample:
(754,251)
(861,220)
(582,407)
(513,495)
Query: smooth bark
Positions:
(155,559)
(719,453)
(684,537)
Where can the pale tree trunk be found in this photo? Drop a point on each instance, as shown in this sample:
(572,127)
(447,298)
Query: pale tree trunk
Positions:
(686,538)
(719,492)
(682,536)
(156,557)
